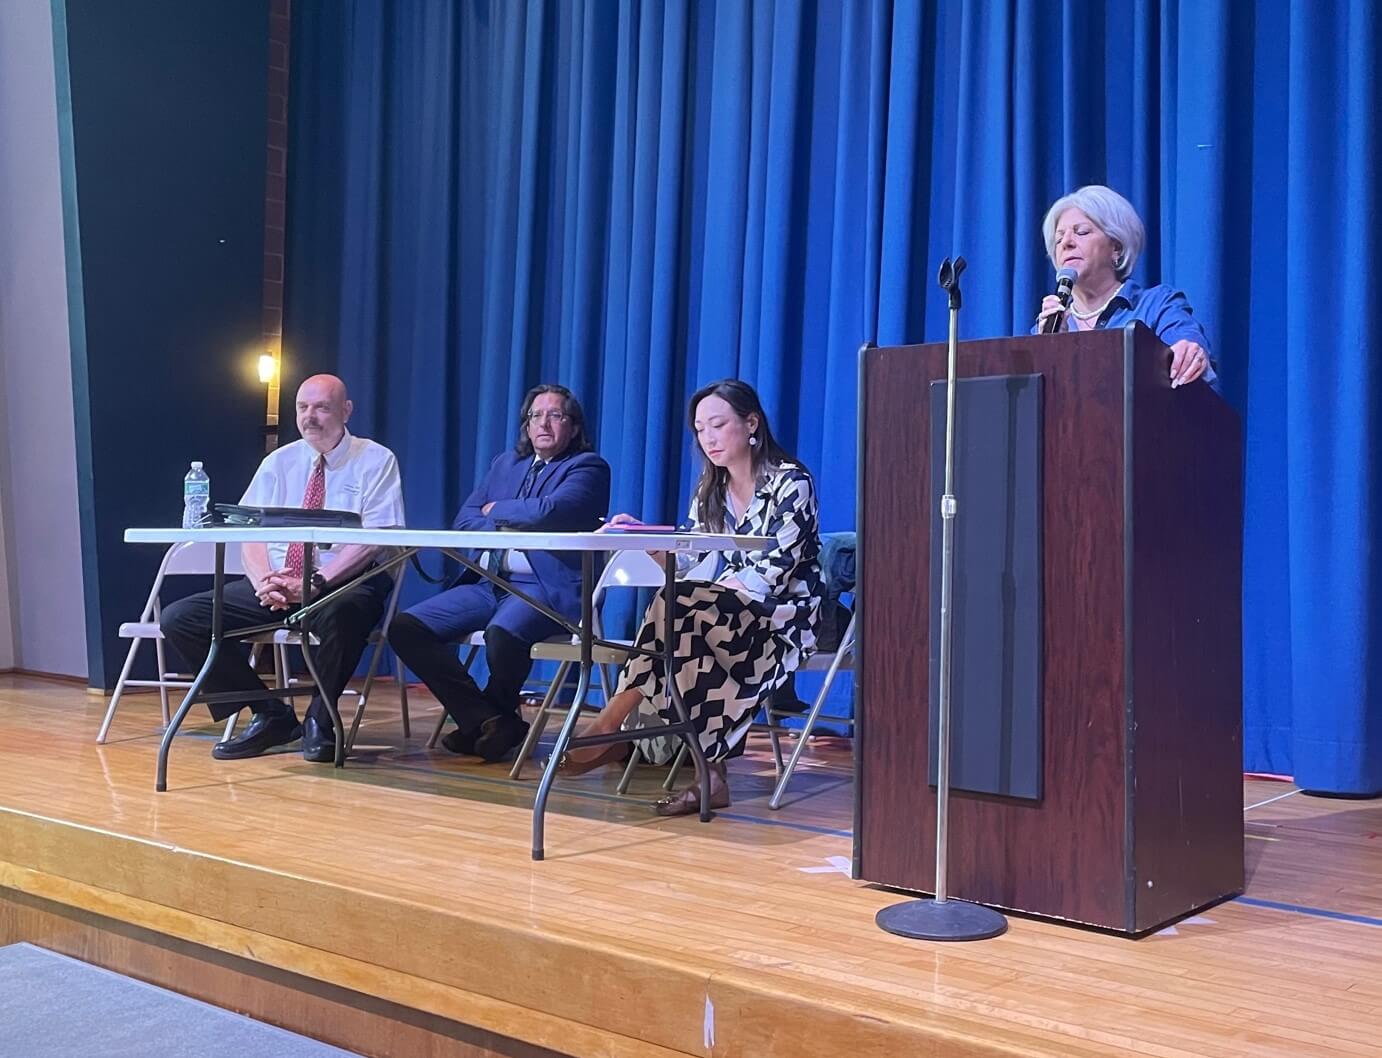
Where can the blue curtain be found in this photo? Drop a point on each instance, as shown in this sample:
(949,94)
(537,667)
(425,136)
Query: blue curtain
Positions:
(634,198)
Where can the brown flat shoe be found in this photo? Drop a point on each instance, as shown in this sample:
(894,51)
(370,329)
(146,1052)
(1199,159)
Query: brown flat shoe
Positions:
(688,801)
(614,753)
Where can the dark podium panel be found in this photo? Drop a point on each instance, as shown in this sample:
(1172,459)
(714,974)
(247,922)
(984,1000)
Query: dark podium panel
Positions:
(1138,817)
(995,665)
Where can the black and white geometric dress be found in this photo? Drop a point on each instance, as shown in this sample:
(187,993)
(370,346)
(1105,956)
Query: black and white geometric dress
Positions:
(735,646)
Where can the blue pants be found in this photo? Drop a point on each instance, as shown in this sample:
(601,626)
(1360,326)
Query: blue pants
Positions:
(425,636)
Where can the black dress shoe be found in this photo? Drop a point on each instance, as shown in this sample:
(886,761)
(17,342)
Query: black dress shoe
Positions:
(461,742)
(266,730)
(499,736)
(318,742)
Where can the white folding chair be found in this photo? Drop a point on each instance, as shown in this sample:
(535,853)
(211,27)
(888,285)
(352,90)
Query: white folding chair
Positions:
(472,643)
(280,639)
(625,569)
(192,558)
(841,658)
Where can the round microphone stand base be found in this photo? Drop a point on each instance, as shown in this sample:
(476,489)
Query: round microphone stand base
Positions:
(952,920)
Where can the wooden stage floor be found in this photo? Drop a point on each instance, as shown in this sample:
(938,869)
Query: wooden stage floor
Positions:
(392,907)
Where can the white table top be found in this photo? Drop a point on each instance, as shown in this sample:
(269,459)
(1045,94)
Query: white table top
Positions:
(453,538)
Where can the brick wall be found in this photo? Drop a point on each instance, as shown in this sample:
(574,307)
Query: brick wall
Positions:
(275,204)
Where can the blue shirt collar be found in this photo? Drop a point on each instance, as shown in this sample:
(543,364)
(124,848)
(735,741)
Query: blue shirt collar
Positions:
(1128,293)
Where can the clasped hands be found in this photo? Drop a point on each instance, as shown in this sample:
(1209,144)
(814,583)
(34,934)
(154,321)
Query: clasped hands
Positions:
(280,590)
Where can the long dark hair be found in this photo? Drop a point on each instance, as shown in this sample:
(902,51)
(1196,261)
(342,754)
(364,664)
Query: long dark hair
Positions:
(767,453)
(569,404)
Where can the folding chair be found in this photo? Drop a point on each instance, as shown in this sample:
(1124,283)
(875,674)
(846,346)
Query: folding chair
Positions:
(192,558)
(626,569)
(472,643)
(841,658)
(281,639)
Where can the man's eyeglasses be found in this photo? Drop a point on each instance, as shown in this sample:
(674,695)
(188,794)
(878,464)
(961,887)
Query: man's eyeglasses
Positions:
(548,416)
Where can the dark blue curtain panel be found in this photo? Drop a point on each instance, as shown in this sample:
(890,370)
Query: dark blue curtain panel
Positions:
(633,198)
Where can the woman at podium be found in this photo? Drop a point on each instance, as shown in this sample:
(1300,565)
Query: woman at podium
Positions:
(744,620)
(1096,233)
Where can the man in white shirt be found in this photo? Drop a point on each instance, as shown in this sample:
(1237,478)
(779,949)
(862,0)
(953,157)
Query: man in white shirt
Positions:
(329,469)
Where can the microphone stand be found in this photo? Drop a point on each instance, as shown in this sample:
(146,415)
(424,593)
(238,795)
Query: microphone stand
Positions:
(943,918)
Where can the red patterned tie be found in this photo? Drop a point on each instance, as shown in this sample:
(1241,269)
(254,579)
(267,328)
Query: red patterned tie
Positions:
(313,500)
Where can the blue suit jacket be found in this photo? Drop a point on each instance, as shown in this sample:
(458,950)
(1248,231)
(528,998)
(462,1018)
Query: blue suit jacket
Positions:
(570,495)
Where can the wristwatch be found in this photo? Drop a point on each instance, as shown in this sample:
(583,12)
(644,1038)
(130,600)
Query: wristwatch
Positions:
(318,582)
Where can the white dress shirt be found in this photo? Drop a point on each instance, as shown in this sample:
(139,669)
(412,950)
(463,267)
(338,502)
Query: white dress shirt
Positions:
(361,476)
(512,560)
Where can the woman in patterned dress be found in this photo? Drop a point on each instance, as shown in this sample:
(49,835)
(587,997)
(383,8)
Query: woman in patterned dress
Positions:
(744,620)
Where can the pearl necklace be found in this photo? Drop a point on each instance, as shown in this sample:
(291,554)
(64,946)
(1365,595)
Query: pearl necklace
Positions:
(1094,313)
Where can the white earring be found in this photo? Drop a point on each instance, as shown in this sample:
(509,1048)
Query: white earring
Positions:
(753,442)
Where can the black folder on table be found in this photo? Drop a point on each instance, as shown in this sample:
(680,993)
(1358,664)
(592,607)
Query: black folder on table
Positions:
(285,517)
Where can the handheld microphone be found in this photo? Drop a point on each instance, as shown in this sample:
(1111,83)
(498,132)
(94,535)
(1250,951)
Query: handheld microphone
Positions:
(1065,285)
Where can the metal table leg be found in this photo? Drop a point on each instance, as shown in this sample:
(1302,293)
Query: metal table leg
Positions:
(687,729)
(305,625)
(573,714)
(303,618)
(217,629)
(681,726)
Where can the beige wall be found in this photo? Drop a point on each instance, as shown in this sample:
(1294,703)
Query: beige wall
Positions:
(42,581)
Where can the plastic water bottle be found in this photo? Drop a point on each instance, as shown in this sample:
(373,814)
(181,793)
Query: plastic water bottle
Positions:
(196,497)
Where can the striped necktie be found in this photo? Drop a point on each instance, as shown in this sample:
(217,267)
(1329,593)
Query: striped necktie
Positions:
(530,479)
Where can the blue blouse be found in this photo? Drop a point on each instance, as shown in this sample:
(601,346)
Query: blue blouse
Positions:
(1164,309)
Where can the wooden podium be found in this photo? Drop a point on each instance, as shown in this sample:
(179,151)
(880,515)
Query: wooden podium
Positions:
(1135,491)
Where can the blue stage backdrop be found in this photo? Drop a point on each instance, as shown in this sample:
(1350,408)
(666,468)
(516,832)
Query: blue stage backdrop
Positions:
(634,198)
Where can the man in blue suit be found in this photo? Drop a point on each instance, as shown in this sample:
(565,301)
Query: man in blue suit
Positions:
(552,480)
